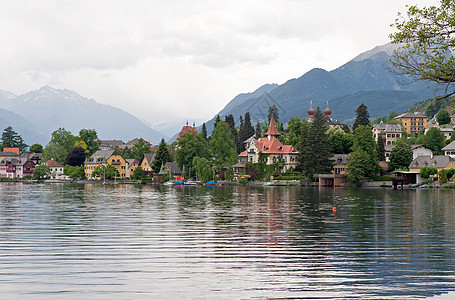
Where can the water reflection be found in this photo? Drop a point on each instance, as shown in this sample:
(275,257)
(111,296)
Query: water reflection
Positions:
(132,241)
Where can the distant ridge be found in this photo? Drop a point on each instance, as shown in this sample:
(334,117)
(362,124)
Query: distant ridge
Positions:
(48,109)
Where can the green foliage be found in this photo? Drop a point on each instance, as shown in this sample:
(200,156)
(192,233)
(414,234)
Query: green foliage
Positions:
(204,131)
(246,129)
(190,145)
(316,149)
(74,172)
(358,163)
(10,139)
(434,139)
(203,168)
(443,117)
(56,152)
(380,149)
(230,121)
(425,172)
(294,130)
(229,174)
(362,117)
(138,173)
(41,172)
(426,35)
(36,148)
(400,156)
(258,131)
(90,137)
(450,173)
(442,176)
(222,146)
(109,171)
(63,138)
(126,153)
(273,111)
(162,156)
(139,149)
(365,157)
(341,142)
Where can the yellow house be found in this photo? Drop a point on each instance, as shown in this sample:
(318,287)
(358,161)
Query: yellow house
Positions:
(132,164)
(104,158)
(440,162)
(412,122)
(146,161)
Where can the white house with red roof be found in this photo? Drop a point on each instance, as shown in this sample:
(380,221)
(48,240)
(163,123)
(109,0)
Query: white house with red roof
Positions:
(55,167)
(275,152)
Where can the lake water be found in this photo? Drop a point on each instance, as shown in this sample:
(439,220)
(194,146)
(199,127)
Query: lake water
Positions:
(143,242)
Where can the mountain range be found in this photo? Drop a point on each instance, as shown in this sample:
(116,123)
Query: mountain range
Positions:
(365,79)
(36,114)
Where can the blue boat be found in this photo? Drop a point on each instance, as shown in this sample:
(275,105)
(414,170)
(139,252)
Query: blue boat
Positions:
(211,183)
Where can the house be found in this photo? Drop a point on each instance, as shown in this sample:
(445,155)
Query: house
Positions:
(338,175)
(420,150)
(449,150)
(173,168)
(270,150)
(133,142)
(447,130)
(439,162)
(4,155)
(106,145)
(340,163)
(412,122)
(187,129)
(55,167)
(146,162)
(35,157)
(105,158)
(389,132)
(131,165)
(16,168)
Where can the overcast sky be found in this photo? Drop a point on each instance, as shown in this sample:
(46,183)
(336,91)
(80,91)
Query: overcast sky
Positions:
(168,61)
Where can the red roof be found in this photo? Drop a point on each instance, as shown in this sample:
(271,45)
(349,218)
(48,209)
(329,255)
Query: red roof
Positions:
(273,130)
(52,163)
(13,150)
(272,146)
(187,129)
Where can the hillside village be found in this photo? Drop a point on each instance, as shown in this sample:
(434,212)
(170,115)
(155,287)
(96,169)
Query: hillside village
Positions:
(240,154)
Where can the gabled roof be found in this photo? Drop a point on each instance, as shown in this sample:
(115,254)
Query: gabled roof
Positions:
(416,146)
(437,161)
(101,156)
(410,115)
(449,147)
(388,127)
(173,167)
(53,164)
(340,159)
(187,129)
(131,161)
(272,146)
(149,157)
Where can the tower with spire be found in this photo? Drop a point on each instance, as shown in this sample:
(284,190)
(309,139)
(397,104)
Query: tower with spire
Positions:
(311,111)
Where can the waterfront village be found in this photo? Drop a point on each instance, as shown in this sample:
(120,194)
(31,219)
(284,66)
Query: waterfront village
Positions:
(407,149)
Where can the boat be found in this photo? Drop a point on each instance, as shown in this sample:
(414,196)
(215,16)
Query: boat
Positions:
(211,183)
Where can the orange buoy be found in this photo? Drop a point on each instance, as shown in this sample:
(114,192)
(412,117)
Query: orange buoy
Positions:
(334,209)
(276,243)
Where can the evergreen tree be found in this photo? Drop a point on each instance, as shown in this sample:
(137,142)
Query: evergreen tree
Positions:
(400,156)
(10,139)
(247,130)
(204,131)
(258,131)
(217,120)
(230,122)
(317,152)
(381,148)
(222,146)
(162,156)
(362,116)
(273,110)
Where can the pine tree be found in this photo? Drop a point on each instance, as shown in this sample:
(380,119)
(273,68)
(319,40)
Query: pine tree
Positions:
(381,148)
(273,110)
(317,152)
(217,120)
(10,138)
(162,156)
(258,132)
(362,116)
(204,131)
(230,122)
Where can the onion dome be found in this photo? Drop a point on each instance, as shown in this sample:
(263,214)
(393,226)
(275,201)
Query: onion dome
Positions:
(311,111)
(327,110)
